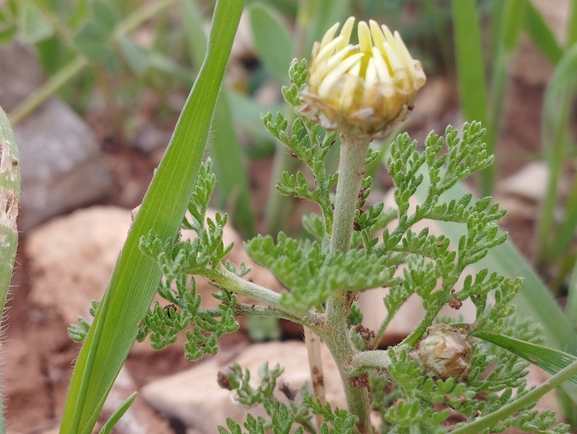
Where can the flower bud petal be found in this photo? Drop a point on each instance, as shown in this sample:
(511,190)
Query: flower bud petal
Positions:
(367,88)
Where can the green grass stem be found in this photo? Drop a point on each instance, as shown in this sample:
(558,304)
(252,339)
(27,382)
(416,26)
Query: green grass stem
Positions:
(232,189)
(135,277)
(471,74)
(556,111)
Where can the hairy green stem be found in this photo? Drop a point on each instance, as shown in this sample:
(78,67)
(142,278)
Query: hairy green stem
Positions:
(9,195)
(383,326)
(351,168)
(232,282)
(371,359)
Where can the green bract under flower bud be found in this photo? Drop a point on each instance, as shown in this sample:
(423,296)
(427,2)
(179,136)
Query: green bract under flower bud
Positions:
(366,88)
(445,352)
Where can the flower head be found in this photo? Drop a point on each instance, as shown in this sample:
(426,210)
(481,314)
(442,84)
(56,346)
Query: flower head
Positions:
(367,88)
(445,352)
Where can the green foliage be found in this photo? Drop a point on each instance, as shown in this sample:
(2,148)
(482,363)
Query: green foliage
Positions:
(93,37)
(387,250)
(135,278)
(406,397)
(308,142)
(311,273)
(283,418)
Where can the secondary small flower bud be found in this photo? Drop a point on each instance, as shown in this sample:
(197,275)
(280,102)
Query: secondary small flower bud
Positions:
(445,352)
(367,88)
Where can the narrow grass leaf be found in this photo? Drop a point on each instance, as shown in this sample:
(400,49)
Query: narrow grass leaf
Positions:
(541,35)
(161,62)
(556,113)
(571,304)
(246,113)
(135,277)
(485,422)
(469,61)
(118,413)
(232,189)
(511,24)
(324,13)
(571,25)
(548,359)
(272,41)
(194,30)
(471,74)
(136,57)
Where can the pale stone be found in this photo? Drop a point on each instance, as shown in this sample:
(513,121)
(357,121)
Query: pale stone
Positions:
(20,74)
(529,65)
(555,13)
(72,257)
(529,183)
(194,397)
(139,418)
(62,167)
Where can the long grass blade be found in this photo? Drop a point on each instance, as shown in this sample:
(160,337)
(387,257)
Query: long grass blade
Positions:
(135,277)
(232,190)
(471,74)
(571,25)
(275,52)
(541,35)
(556,111)
(571,304)
(118,413)
(511,24)
(324,14)
(548,359)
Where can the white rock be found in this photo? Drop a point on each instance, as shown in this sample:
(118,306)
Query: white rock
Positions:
(194,397)
(556,14)
(62,167)
(20,74)
(528,183)
(72,257)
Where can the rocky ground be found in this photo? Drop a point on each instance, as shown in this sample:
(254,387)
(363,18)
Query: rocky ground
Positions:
(77,195)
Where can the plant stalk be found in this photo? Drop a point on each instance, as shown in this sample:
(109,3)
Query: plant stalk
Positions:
(9,196)
(351,169)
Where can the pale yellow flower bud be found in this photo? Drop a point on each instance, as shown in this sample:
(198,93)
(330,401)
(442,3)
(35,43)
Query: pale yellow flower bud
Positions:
(445,352)
(367,88)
